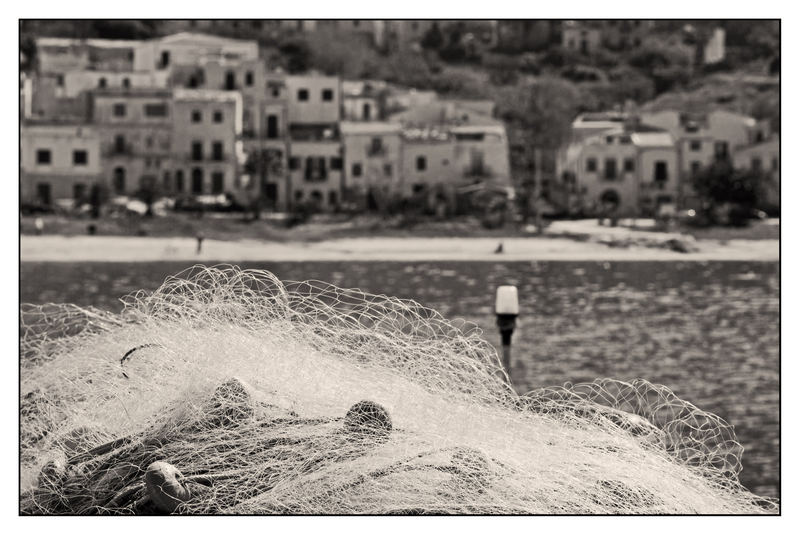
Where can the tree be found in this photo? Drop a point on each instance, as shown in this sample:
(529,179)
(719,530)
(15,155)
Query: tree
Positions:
(261,164)
(720,185)
(433,38)
(539,119)
(298,55)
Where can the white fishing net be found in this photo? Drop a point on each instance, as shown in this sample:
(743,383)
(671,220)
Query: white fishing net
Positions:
(228,391)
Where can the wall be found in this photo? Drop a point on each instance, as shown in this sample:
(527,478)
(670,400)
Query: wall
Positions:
(314,110)
(650,193)
(186,132)
(76,82)
(441,168)
(592,185)
(492,150)
(332,182)
(357,150)
(62,174)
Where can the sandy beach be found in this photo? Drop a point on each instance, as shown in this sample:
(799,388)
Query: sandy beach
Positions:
(52,248)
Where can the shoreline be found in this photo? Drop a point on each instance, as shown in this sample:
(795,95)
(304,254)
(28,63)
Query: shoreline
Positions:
(53,248)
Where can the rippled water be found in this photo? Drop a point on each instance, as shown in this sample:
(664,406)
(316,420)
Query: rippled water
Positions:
(709,331)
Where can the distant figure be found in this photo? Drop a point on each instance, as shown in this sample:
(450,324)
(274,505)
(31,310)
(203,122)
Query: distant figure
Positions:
(39,224)
(499,249)
(200,238)
(91,229)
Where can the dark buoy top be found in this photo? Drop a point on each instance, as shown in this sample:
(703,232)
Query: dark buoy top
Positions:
(368,419)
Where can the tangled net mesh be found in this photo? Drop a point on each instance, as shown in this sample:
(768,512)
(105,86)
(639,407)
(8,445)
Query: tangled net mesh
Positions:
(229,392)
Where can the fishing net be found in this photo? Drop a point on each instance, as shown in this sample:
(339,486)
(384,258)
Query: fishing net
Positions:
(229,392)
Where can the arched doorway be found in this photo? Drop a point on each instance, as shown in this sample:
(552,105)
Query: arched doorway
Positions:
(609,201)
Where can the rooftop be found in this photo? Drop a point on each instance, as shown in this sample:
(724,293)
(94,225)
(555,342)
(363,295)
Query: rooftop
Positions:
(369,127)
(213,95)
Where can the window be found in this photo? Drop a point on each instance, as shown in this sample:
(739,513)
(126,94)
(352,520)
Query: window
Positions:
(126,83)
(609,140)
(367,111)
(218,116)
(356,169)
(79,191)
(695,167)
(119,144)
(375,146)
(217,182)
(119,110)
(60,80)
(148,142)
(387,169)
(272,126)
(302,95)
(43,156)
(80,157)
(197,181)
(625,140)
(755,164)
(248,78)
(591,165)
(155,109)
(119,180)
(216,151)
(630,165)
(422,163)
(660,174)
(179,180)
(327,95)
(294,163)
(695,145)
(315,169)
(276,92)
(101,83)
(298,195)
(721,149)
(336,164)
(611,169)
(230,80)
(197,116)
(197,151)
(164,59)
(332,198)
(167,181)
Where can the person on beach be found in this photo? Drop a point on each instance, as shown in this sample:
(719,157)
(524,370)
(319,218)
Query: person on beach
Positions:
(200,238)
(39,224)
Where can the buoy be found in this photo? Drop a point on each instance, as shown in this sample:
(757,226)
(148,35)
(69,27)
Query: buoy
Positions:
(368,419)
(164,487)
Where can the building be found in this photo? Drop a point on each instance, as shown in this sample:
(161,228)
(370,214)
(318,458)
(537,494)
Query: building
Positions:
(135,128)
(372,161)
(628,171)
(714,47)
(591,124)
(207,148)
(527,35)
(316,162)
(313,99)
(57,55)
(189,48)
(700,138)
(58,162)
(481,154)
(363,100)
(581,36)
(76,83)
(764,158)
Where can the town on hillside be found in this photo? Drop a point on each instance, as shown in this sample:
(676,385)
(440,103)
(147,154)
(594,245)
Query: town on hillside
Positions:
(206,116)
